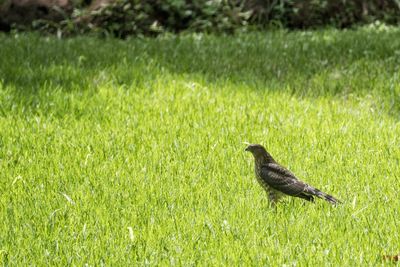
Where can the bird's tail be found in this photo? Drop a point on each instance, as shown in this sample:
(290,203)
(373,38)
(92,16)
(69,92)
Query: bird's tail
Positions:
(320,194)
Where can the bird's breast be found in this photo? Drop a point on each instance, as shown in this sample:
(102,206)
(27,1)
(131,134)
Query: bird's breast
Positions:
(260,180)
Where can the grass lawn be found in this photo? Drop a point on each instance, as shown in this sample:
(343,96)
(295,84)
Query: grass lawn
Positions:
(130,152)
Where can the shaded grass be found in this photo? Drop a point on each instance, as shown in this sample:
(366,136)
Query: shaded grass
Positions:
(116,153)
(324,63)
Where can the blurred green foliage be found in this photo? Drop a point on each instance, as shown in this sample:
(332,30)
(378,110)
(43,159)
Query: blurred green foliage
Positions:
(122,18)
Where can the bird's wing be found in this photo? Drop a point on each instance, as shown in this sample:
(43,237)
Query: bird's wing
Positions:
(282,179)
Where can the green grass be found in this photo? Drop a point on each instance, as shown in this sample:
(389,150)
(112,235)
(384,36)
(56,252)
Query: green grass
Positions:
(131,152)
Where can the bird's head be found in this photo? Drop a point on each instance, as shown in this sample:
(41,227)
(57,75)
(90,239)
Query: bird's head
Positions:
(256,149)
(259,152)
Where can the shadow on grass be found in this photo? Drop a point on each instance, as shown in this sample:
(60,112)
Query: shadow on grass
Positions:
(307,64)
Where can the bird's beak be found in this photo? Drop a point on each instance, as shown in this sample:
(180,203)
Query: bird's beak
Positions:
(247,146)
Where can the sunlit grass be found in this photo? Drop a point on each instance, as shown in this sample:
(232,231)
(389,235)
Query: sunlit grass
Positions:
(131,152)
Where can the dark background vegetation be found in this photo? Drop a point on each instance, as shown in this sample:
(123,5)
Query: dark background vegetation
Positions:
(122,18)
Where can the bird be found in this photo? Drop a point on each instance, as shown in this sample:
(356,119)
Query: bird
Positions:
(278,181)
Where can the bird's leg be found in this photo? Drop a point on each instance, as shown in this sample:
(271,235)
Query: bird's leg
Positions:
(273,199)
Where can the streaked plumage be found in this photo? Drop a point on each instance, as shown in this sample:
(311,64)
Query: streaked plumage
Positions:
(278,181)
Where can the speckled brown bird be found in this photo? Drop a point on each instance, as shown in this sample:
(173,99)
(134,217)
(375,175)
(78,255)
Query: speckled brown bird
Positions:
(278,181)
